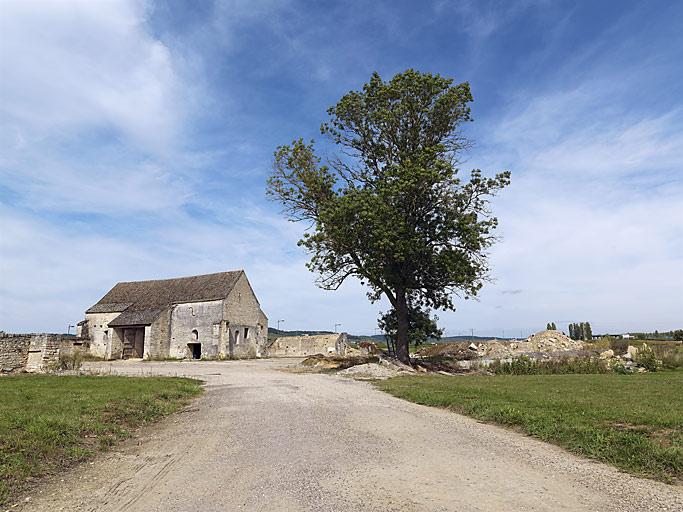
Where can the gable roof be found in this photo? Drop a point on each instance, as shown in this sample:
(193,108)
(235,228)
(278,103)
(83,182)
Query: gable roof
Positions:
(141,302)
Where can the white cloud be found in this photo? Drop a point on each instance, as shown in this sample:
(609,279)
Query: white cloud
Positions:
(592,225)
(86,66)
(93,120)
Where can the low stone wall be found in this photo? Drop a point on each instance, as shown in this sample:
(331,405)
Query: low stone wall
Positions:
(34,352)
(303,346)
(13,352)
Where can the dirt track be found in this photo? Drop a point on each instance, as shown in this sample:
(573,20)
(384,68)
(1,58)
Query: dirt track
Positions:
(262,439)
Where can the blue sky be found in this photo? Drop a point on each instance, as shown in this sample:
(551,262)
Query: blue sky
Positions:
(136,138)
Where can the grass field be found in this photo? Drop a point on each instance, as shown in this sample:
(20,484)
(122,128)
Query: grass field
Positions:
(49,422)
(634,422)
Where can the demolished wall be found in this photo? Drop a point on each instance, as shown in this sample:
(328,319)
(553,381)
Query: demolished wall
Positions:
(34,352)
(303,346)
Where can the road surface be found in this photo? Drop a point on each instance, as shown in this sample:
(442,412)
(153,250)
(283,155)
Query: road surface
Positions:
(264,439)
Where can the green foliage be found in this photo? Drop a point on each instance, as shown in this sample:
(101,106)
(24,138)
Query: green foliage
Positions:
(421,325)
(49,422)
(70,361)
(634,422)
(557,366)
(646,358)
(581,331)
(391,210)
(678,335)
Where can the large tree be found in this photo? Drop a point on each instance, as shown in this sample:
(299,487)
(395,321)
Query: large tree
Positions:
(390,208)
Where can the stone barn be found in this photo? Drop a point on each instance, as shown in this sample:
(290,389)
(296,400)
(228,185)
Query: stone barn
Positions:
(207,316)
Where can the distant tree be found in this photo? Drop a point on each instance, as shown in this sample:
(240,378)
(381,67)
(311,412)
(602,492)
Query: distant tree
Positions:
(553,326)
(572,333)
(588,332)
(390,209)
(547,327)
(678,335)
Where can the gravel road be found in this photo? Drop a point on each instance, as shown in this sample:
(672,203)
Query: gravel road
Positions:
(262,439)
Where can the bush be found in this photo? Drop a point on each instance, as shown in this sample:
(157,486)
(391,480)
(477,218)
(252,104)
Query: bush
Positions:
(527,366)
(70,361)
(647,359)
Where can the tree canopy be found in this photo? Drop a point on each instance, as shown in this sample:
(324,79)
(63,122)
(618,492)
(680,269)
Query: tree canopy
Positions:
(390,208)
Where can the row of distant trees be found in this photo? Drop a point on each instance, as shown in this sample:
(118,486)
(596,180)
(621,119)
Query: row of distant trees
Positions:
(676,335)
(578,331)
(581,331)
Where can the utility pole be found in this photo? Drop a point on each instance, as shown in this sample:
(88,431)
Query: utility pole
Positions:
(472,331)
(335,327)
(68,329)
(278,324)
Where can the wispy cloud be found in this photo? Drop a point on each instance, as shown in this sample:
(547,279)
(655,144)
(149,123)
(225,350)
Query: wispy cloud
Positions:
(135,139)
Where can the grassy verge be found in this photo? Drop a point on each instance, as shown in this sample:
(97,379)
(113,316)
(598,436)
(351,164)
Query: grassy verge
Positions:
(634,422)
(49,422)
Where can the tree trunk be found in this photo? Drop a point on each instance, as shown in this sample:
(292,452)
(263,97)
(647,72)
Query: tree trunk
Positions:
(402,341)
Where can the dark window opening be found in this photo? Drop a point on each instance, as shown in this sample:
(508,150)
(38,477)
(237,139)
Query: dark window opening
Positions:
(246,333)
(195,334)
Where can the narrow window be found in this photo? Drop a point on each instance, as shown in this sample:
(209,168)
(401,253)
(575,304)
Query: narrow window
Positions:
(246,333)
(195,334)
(237,337)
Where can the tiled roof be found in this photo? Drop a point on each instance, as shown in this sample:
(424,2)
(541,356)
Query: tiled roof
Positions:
(141,302)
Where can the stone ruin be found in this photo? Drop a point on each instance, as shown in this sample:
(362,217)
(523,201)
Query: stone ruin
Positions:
(35,353)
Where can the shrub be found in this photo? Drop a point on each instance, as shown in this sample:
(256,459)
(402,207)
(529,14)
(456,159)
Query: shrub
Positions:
(70,361)
(647,359)
(524,365)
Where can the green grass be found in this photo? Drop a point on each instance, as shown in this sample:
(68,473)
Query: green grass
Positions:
(634,422)
(50,422)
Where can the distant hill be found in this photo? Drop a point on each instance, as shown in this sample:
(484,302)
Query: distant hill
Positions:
(355,338)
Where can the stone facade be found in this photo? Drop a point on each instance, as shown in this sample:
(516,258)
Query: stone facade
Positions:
(35,352)
(303,346)
(211,316)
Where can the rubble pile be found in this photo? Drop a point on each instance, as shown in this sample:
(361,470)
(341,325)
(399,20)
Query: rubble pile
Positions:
(322,362)
(544,343)
(629,362)
(381,370)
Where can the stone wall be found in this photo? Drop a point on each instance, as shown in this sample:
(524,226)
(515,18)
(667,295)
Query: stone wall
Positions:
(34,352)
(99,333)
(247,325)
(196,322)
(13,352)
(303,346)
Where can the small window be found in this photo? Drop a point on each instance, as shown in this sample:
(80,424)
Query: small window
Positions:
(246,333)
(237,337)
(195,334)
